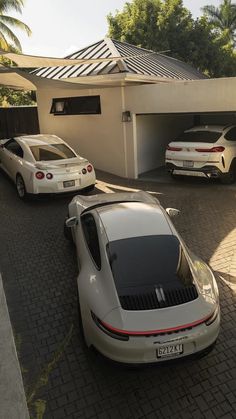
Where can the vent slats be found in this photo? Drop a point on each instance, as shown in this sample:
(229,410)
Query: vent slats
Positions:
(150,301)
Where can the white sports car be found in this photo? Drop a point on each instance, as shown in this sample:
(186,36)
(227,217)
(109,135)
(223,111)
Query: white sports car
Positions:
(44,164)
(143,296)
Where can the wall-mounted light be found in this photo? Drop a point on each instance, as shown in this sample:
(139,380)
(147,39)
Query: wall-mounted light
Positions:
(126,116)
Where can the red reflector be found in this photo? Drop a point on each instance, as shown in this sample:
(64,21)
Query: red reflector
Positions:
(219,149)
(39,175)
(89,168)
(173,148)
(49,175)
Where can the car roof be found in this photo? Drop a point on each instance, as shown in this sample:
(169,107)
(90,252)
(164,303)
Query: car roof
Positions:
(39,139)
(218,128)
(133,219)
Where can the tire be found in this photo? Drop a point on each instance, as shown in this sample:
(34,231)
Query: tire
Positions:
(176,177)
(20,187)
(230,177)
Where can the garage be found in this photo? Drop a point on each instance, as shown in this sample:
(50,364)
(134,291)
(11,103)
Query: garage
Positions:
(155,131)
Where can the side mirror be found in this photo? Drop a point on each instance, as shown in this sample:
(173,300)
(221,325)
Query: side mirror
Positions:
(71,222)
(172,212)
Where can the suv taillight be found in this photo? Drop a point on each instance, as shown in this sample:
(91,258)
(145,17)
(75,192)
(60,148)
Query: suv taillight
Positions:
(89,168)
(173,148)
(219,149)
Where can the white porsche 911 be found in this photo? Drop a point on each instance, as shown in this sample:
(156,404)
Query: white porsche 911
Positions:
(44,164)
(143,296)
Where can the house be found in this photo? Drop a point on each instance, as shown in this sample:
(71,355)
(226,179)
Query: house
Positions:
(122,112)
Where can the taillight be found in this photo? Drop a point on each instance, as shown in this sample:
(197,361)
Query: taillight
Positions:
(108,329)
(84,171)
(39,175)
(49,175)
(173,148)
(219,149)
(89,168)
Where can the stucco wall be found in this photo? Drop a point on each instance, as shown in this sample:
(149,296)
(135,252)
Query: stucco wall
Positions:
(154,132)
(100,138)
(213,95)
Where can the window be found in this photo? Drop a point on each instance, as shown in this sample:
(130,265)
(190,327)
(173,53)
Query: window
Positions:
(14,148)
(147,261)
(200,136)
(81,105)
(231,134)
(91,238)
(52,152)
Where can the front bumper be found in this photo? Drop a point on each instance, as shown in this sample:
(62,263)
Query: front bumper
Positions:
(207,171)
(143,349)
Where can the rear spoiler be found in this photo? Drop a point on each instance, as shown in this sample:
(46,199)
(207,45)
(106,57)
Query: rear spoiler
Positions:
(95,201)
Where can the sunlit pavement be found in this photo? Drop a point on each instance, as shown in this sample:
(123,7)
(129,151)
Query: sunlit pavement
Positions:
(62,378)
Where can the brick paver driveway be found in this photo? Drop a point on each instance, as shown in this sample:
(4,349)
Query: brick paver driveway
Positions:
(60,375)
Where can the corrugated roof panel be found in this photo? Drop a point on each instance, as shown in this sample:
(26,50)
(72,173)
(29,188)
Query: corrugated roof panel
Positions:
(143,62)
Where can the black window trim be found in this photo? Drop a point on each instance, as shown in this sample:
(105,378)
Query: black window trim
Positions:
(86,243)
(66,101)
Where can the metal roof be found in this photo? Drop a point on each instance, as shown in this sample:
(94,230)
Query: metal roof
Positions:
(143,62)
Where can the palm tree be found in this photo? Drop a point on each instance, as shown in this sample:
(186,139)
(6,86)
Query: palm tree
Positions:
(223,18)
(7,37)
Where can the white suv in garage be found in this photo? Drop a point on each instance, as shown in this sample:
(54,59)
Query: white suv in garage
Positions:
(208,151)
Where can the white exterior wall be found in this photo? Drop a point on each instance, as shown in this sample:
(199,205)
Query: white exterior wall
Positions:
(100,138)
(154,132)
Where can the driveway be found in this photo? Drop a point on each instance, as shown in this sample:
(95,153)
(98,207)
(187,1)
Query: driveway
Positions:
(62,378)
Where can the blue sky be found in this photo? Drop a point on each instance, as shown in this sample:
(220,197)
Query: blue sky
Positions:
(62,26)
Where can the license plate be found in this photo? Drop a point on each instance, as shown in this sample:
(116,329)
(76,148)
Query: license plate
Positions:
(188,163)
(170,350)
(68,183)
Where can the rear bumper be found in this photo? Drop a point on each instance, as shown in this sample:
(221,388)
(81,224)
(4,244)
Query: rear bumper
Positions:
(208,171)
(46,186)
(143,349)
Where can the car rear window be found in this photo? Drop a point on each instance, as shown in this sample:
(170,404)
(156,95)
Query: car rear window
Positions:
(200,136)
(52,152)
(147,261)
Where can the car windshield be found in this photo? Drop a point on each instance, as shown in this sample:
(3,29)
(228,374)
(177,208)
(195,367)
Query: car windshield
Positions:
(147,261)
(52,152)
(201,136)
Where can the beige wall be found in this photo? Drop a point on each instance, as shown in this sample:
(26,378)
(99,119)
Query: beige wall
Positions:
(154,132)
(214,95)
(100,138)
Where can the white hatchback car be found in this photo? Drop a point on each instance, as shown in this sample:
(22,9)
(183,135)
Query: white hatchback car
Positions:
(143,296)
(44,164)
(208,151)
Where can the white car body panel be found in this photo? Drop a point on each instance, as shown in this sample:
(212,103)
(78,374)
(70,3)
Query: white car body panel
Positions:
(62,170)
(98,292)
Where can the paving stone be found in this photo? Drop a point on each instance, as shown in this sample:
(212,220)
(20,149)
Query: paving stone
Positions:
(39,272)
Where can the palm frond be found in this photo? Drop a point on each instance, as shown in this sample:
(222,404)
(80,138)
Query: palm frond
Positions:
(8,20)
(6,5)
(4,29)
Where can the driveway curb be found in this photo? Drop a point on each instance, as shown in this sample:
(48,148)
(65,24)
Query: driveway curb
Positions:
(13,402)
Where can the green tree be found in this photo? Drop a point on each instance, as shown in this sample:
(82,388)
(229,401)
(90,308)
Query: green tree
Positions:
(7,36)
(223,18)
(172,27)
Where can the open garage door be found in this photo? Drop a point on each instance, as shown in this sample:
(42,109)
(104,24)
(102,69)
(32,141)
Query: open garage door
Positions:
(155,131)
